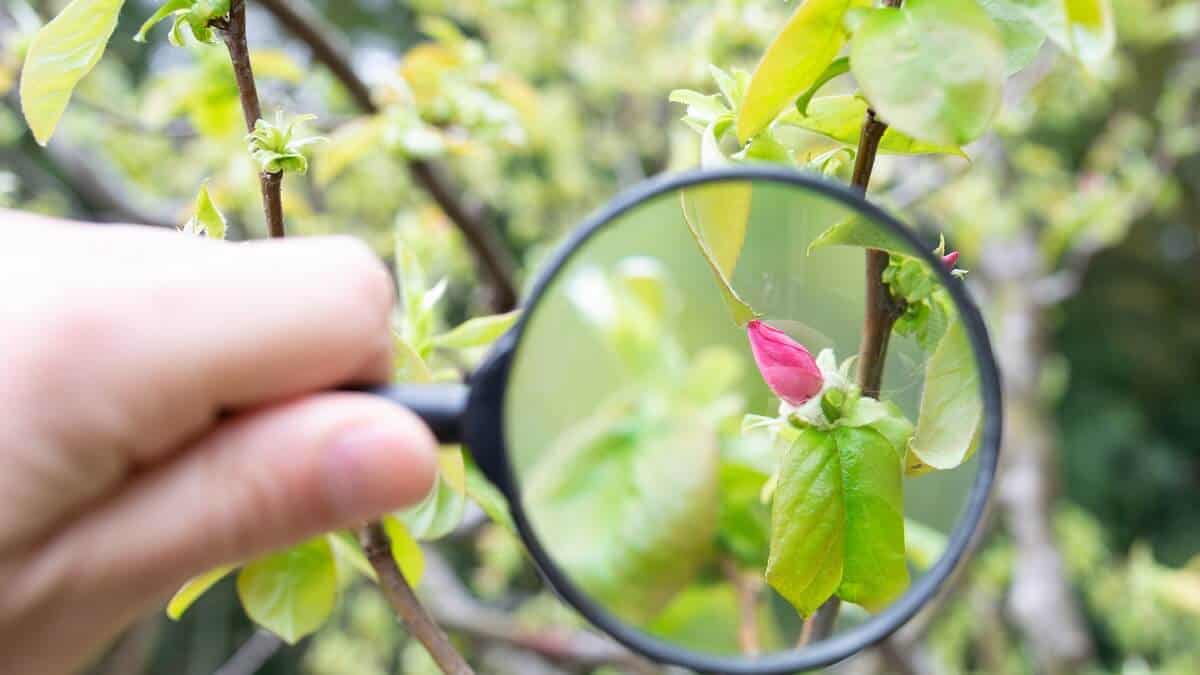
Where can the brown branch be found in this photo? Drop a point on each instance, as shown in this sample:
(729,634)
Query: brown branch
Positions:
(491,254)
(378,549)
(233,32)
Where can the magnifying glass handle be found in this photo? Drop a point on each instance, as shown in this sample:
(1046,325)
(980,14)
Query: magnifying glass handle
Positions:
(440,406)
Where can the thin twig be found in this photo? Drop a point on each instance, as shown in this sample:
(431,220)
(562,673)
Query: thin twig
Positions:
(491,254)
(378,549)
(233,32)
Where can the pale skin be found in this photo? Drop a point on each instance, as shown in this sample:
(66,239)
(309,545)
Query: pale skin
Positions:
(167,408)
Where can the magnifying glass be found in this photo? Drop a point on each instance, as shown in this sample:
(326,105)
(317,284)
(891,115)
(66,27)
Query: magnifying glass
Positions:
(738,400)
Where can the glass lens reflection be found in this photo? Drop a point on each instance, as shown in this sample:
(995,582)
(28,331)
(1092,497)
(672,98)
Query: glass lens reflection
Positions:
(688,431)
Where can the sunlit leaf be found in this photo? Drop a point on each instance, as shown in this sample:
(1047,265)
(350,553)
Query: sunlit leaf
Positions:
(442,509)
(717,215)
(837,520)
(405,550)
(61,54)
(951,411)
(291,593)
(1022,36)
(194,588)
(477,332)
(797,57)
(166,9)
(934,69)
(1083,28)
(841,118)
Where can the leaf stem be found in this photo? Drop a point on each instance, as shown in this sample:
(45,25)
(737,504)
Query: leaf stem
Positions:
(233,32)
(491,253)
(404,602)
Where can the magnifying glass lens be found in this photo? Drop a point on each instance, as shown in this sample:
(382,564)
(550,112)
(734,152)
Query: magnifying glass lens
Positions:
(738,403)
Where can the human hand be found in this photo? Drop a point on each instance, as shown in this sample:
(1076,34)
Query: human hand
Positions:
(165,410)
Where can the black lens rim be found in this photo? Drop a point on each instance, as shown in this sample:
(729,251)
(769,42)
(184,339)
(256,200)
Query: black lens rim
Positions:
(483,433)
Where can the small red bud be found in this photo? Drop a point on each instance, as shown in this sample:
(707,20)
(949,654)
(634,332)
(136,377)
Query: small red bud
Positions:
(786,366)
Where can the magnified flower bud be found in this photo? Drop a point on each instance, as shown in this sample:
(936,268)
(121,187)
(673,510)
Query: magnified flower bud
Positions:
(788,368)
(950,260)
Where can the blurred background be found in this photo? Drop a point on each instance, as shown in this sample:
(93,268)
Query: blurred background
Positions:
(1077,218)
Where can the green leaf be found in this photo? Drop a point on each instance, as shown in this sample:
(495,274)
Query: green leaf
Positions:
(860,232)
(206,219)
(408,364)
(837,521)
(489,498)
(627,503)
(60,55)
(405,550)
(1022,36)
(349,555)
(744,526)
(478,332)
(442,509)
(922,544)
(951,412)
(841,118)
(194,588)
(291,593)
(167,9)
(1082,28)
(794,60)
(934,69)
(839,67)
(717,215)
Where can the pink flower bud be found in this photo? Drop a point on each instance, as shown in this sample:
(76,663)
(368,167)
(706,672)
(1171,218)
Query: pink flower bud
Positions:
(789,370)
(950,260)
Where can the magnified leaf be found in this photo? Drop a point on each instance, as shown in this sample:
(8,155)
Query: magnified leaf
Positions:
(291,593)
(717,215)
(194,588)
(841,118)
(923,544)
(61,54)
(797,57)
(951,412)
(934,69)
(442,509)
(629,503)
(489,498)
(478,332)
(837,520)
(860,232)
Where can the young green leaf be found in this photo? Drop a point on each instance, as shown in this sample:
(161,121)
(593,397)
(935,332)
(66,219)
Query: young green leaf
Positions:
(275,148)
(797,57)
(442,509)
(837,521)
(1022,36)
(291,593)
(477,332)
(857,231)
(841,118)
(206,219)
(839,67)
(167,9)
(194,588)
(717,215)
(405,550)
(951,411)
(61,54)
(489,498)
(934,69)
